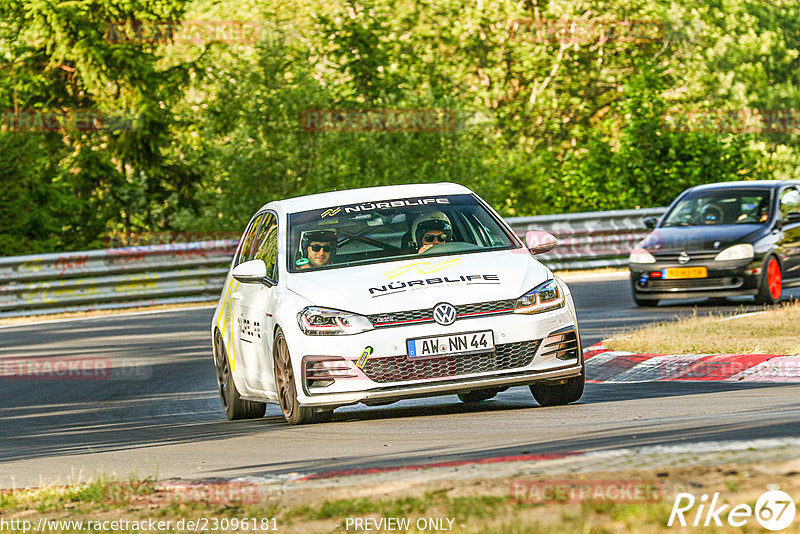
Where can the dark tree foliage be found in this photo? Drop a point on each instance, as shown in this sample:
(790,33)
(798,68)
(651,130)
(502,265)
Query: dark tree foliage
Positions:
(549,106)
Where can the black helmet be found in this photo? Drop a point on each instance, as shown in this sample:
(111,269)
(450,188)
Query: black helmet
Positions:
(323,236)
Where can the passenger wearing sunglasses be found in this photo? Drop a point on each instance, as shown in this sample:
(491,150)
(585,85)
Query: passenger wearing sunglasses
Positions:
(318,248)
(431,229)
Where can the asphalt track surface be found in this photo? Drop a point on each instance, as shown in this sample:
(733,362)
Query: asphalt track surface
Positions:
(163,418)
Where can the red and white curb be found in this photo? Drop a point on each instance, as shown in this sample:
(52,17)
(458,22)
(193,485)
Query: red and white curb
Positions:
(439,465)
(605,365)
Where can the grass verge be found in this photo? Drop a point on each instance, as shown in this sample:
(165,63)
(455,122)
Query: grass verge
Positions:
(770,332)
(460,505)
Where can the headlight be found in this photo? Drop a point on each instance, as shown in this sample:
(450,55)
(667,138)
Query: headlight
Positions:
(545,297)
(640,255)
(736,252)
(326,322)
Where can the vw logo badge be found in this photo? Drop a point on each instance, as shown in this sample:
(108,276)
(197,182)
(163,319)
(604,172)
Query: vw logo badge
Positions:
(444,314)
(683,258)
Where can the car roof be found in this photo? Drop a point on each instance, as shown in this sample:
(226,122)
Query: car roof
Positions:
(365,194)
(751,184)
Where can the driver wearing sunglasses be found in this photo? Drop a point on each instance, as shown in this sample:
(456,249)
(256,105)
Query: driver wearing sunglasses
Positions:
(318,248)
(432,229)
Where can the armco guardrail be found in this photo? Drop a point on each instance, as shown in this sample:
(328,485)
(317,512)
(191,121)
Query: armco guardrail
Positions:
(194,272)
(122,277)
(589,240)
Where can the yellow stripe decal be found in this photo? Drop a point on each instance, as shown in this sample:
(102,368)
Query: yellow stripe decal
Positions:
(423,267)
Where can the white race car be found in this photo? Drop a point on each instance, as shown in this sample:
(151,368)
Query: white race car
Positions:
(379,294)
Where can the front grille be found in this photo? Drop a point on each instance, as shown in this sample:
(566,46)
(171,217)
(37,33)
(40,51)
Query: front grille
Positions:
(562,345)
(482,309)
(401,368)
(694,283)
(693,256)
(498,306)
(389,319)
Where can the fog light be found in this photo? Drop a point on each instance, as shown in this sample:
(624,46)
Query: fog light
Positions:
(322,371)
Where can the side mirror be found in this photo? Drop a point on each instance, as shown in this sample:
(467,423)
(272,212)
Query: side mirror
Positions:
(792,218)
(539,242)
(650,222)
(252,272)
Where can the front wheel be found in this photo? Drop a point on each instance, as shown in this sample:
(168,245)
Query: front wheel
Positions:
(559,394)
(769,292)
(286,387)
(235,407)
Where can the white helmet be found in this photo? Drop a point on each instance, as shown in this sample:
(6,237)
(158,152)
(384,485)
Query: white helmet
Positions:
(425,222)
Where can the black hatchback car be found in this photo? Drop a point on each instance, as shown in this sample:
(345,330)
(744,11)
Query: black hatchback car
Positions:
(721,240)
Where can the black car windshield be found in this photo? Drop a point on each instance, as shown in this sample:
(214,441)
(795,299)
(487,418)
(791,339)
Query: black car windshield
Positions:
(373,232)
(721,206)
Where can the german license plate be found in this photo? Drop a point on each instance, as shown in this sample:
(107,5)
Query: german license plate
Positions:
(686,272)
(453,345)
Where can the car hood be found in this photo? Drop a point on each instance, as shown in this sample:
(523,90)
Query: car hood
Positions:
(698,238)
(422,283)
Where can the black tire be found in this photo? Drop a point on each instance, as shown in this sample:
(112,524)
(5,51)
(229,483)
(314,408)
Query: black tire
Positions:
(235,407)
(645,303)
(286,388)
(769,290)
(477,396)
(559,394)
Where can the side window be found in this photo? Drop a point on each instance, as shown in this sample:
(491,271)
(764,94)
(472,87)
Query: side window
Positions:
(267,243)
(248,240)
(790,202)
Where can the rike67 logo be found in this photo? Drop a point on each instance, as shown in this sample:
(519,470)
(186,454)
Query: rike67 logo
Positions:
(774,510)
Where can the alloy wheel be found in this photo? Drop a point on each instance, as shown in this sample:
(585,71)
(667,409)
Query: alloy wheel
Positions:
(774,279)
(223,372)
(284,378)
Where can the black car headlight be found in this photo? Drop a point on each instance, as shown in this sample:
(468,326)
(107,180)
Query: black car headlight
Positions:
(544,297)
(641,255)
(745,251)
(315,321)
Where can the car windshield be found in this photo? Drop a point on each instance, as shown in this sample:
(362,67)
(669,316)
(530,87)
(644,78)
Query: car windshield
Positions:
(721,206)
(374,232)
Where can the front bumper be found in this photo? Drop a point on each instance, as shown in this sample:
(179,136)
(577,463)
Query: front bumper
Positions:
(448,387)
(725,279)
(528,348)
